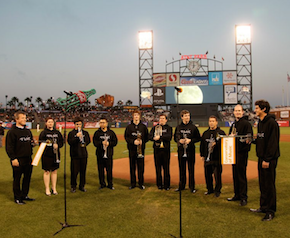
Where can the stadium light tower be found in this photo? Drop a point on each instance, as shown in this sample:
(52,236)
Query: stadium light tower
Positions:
(145,67)
(244,65)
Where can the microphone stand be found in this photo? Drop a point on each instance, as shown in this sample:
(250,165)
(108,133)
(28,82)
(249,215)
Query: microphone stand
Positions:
(65,224)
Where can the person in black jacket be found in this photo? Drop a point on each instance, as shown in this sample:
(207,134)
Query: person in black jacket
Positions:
(161,148)
(78,139)
(186,134)
(105,140)
(19,143)
(241,127)
(268,151)
(50,157)
(1,133)
(136,136)
(210,152)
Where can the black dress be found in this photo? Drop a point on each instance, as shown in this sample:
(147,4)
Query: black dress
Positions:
(48,158)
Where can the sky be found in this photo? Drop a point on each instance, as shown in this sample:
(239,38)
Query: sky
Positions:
(48,46)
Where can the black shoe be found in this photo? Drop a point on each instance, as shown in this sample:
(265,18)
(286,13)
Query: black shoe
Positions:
(233,199)
(19,202)
(256,210)
(101,187)
(193,190)
(142,187)
(178,189)
(160,187)
(132,187)
(208,193)
(28,199)
(83,189)
(243,202)
(54,192)
(167,189)
(268,217)
(73,190)
(217,194)
(111,187)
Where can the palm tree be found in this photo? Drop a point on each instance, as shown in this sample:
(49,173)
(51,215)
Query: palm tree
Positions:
(10,103)
(38,100)
(14,100)
(21,105)
(129,103)
(28,99)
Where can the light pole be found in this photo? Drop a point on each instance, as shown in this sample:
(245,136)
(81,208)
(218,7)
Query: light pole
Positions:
(6,96)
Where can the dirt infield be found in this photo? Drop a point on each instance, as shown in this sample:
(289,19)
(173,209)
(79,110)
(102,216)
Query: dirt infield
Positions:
(121,170)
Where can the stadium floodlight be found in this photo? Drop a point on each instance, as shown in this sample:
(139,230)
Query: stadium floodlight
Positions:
(243,34)
(145,40)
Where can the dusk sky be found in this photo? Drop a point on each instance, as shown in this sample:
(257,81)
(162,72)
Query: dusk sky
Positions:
(48,46)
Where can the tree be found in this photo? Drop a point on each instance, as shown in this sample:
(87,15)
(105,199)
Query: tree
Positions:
(27,100)
(129,103)
(38,100)
(14,100)
(21,105)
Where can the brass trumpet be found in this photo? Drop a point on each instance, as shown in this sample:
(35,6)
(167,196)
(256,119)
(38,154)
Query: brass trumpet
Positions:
(158,132)
(55,150)
(82,141)
(106,138)
(184,146)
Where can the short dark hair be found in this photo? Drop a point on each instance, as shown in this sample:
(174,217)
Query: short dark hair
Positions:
(136,111)
(183,112)
(162,115)
(77,119)
(16,114)
(48,118)
(104,118)
(212,116)
(263,104)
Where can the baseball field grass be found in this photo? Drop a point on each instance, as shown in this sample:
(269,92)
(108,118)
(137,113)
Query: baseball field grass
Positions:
(139,213)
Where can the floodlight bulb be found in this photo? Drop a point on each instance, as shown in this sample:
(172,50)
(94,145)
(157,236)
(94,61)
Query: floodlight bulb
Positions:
(243,34)
(145,40)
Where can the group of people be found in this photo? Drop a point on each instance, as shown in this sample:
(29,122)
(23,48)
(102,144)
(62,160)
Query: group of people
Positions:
(19,143)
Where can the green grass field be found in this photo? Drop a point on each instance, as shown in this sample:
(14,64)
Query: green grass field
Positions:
(137,213)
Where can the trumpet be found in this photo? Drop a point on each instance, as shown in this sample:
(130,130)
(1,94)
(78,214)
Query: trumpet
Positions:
(48,142)
(82,141)
(55,150)
(211,145)
(184,146)
(158,132)
(106,138)
(139,147)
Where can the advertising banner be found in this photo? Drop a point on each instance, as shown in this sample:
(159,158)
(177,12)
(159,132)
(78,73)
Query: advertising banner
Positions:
(92,125)
(228,150)
(229,77)
(172,79)
(215,78)
(283,123)
(159,80)
(230,94)
(284,114)
(69,125)
(158,96)
(187,81)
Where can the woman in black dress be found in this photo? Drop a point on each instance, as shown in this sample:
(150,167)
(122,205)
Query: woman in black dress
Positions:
(50,157)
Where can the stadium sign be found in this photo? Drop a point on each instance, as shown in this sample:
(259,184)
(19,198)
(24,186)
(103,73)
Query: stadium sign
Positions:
(201,56)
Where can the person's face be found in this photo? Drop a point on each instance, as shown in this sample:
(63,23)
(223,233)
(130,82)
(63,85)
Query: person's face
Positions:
(238,112)
(185,118)
(212,122)
(78,125)
(21,120)
(103,124)
(162,120)
(259,112)
(136,117)
(49,123)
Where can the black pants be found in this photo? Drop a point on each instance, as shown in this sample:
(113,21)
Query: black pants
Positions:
(24,168)
(213,168)
(140,168)
(190,160)
(240,176)
(108,165)
(78,166)
(162,160)
(267,179)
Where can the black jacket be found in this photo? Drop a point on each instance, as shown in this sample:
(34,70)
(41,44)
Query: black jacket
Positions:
(191,132)
(131,135)
(205,140)
(268,136)
(19,143)
(76,151)
(243,127)
(98,139)
(165,138)
(51,135)
(1,131)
